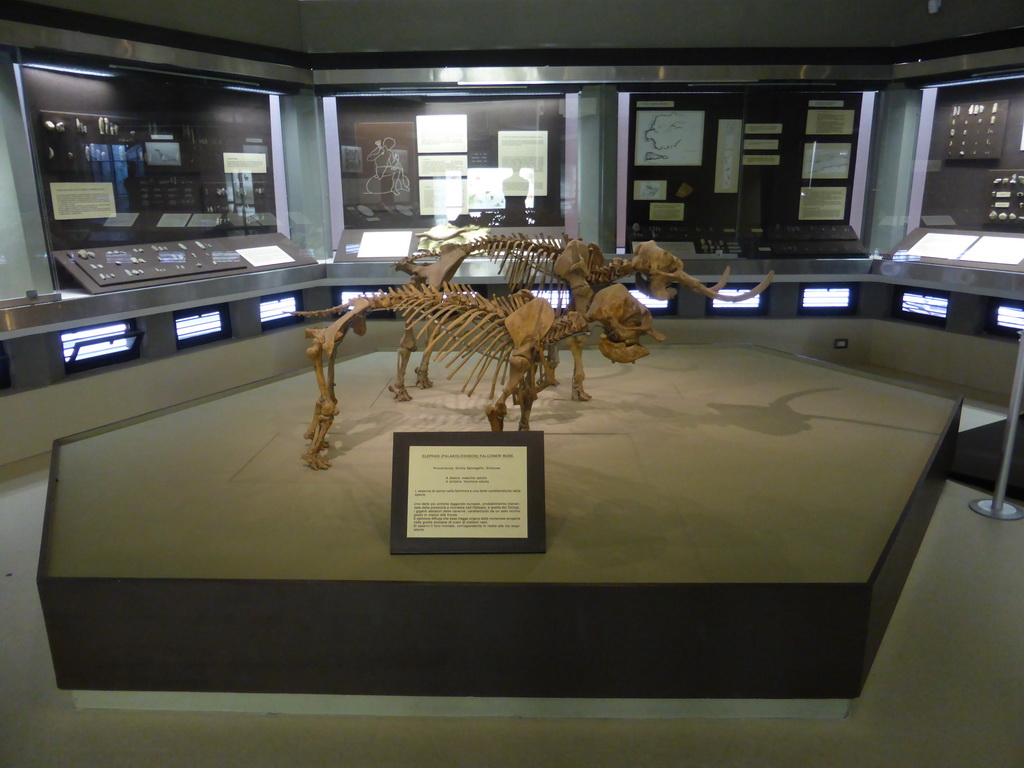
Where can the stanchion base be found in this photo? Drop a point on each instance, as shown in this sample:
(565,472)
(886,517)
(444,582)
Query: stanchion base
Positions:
(1005,512)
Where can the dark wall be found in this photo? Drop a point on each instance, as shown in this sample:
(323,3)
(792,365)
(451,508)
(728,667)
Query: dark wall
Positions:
(340,26)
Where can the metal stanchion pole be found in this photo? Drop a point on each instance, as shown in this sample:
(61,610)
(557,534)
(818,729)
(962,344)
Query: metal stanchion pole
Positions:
(997,507)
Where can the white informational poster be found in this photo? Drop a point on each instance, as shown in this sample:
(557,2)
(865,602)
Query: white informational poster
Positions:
(838,122)
(827,160)
(478,492)
(650,189)
(727,156)
(939,245)
(822,203)
(443,165)
(245,162)
(442,134)
(88,200)
(526,153)
(1007,251)
(265,256)
(674,137)
(385,245)
(447,197)
(666,211)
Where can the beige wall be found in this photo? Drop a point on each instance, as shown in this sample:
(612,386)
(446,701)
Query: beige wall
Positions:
(34,418)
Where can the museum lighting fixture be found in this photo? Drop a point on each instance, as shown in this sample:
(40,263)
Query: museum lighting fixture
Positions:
(72,70)
(554,298)
(249,89)
(201,326)
(279,310)
(87,343)
(754,302)
(977,80)
(826,298)
(925,304)
(649,301)
(1010,317)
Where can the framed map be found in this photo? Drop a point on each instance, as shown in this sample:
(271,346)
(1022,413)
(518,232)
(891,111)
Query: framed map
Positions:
(669,137)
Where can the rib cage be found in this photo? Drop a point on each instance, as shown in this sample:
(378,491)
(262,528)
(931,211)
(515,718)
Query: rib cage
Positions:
(523,262)
(465,325)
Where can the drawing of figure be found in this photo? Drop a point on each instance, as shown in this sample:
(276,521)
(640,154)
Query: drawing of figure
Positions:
(387,167)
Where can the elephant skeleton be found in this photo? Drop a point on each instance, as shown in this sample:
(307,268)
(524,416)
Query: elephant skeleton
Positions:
(582,269)
(506,336)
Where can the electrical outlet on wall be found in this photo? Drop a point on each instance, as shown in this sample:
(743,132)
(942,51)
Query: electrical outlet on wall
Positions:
(840,343)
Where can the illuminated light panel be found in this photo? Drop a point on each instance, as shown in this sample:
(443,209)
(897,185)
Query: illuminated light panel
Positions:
(648,301)
(72,70)
(556,299)
(825,298)
(96,341)
(276,309)
(1010,317)
(924,304)
(198,325)
(754,302)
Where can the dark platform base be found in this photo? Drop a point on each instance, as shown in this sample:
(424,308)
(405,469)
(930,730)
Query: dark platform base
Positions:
(793,641)
(979,452)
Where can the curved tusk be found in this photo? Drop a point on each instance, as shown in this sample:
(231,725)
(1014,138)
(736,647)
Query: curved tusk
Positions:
(759,288)
(725,279)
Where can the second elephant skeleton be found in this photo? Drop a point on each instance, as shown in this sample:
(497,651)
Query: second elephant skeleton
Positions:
(555,265)
(506,337)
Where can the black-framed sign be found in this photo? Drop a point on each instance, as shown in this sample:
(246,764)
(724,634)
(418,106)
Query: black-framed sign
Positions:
(467,492)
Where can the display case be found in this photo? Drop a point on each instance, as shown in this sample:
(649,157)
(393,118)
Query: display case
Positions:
(407,164)
(752,172)
(147,177)
(975,165)
(25,271)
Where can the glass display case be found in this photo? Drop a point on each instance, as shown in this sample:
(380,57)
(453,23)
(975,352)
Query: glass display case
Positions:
(25,271)
(149,177)
(970,198)
(753,173)
(404,165)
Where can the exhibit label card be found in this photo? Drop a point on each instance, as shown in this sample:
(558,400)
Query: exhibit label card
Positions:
(674,137)
(245,162)
(727,177)
(830,121)
(461,492)
(265,256)
(526,151)
(442,133)
(822,203)
(90,200)
(474,492)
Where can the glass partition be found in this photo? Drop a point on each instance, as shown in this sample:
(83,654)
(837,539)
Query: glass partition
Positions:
(405,165)
(752,172)
(147,177)
(25,270)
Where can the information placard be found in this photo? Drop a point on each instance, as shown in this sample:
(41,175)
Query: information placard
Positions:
(467,492)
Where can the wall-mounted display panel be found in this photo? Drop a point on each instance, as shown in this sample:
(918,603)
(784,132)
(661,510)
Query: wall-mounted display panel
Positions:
(751,173)
(410,164)
(135,168)
(975,169)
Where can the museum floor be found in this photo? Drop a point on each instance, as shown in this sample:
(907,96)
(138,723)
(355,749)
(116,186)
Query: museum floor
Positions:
(946,688)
